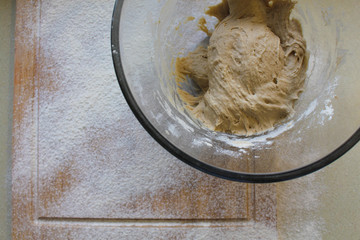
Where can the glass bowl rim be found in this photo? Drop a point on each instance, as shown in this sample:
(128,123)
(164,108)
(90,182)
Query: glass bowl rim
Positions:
(197,164)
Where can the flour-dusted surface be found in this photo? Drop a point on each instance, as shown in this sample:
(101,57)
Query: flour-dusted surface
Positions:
(299,201)
(84,167)
(95,160)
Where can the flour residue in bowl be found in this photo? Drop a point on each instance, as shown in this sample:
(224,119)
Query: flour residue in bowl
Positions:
(252,71)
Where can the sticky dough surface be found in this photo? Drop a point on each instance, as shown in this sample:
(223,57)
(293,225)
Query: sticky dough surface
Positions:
(252,71)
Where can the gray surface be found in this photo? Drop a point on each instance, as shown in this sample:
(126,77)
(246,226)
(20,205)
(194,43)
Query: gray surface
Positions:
(7,22)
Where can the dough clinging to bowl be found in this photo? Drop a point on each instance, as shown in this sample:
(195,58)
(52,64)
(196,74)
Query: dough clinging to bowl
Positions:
(252,71)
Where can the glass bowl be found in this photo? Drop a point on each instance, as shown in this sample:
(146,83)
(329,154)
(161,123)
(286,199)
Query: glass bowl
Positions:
(148,35)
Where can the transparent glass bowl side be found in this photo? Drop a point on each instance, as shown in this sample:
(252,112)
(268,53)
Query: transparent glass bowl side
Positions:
(145,42)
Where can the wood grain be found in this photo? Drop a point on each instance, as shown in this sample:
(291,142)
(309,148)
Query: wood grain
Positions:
(64,202)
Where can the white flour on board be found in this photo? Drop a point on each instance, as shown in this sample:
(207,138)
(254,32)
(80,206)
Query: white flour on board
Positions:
(89,135)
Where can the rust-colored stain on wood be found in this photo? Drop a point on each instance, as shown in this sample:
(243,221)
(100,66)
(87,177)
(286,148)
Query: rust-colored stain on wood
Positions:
(61,182)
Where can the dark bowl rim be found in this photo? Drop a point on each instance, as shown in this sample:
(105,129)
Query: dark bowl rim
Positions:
(214,171)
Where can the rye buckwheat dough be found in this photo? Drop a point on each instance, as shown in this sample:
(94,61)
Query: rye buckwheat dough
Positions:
(252,71)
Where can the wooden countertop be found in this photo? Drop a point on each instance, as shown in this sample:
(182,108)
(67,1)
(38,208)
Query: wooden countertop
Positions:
(83,166)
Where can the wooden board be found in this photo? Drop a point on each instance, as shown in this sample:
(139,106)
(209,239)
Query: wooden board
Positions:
(83,167)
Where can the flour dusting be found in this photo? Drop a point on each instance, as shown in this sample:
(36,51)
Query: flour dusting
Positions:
(94,160)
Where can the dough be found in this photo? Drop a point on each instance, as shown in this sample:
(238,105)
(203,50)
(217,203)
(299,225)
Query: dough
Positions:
(252,71)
